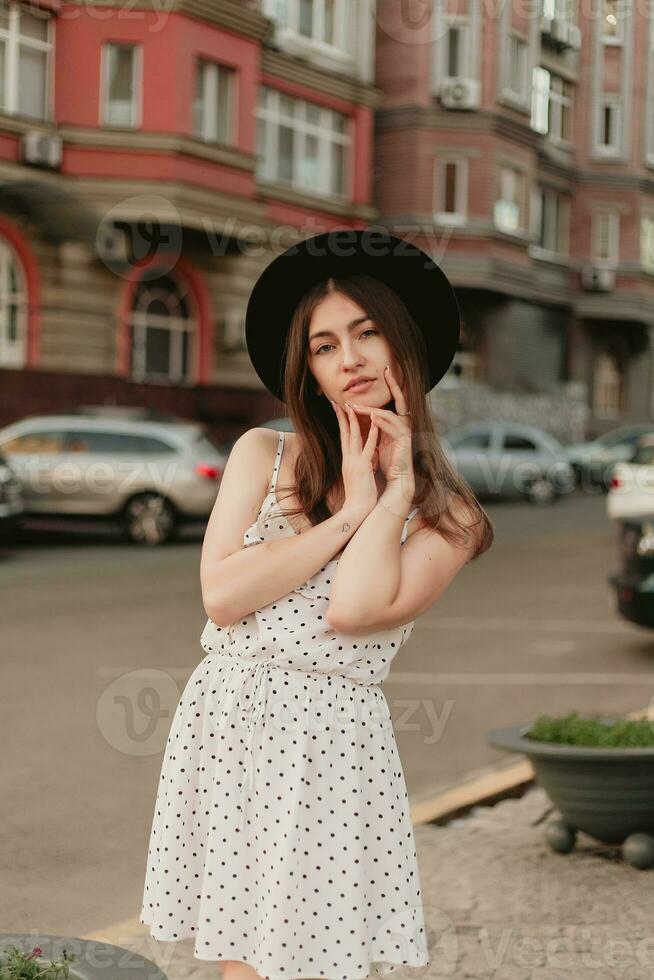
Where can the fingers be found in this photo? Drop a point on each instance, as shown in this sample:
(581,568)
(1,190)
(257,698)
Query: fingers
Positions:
(355,430)
(396,391)
(371,441)
(343,425)
(392,421)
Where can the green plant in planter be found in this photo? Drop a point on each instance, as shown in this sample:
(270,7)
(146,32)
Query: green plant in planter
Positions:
(17,965)
(598,772)
(572,729)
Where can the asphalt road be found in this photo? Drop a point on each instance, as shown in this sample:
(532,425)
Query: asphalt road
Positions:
(99,637)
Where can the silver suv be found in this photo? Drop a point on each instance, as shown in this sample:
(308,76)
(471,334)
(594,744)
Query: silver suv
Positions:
(148,472)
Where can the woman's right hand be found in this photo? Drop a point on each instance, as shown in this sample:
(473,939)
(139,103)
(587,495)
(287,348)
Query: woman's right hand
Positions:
(359,484)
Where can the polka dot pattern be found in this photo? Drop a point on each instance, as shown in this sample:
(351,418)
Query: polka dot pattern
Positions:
(282,835)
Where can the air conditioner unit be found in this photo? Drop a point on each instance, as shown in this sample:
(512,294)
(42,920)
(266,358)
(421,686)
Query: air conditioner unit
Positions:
(41,148)
(111,244)
(460,93)
(559,30)
(598,278)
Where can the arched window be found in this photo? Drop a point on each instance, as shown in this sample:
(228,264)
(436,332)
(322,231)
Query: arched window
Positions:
(13,308)
(607,386)
(162,332)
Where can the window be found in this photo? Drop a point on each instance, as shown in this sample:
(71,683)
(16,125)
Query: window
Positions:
(607,386)
(13,309)
(302,144)
(513,441)
(516,66)
(450,190)
(88,441)
(323,22)
(47,441)
(457,48)
(609,124)
(25,46)
(551,219)
(213,107)
(473,440)
(605,236)
(551,105)
(509,211)
(162,331)
(612,21)
(647,243)
(121,85)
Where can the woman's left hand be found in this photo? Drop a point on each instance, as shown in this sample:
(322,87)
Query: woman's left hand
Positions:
(395,443)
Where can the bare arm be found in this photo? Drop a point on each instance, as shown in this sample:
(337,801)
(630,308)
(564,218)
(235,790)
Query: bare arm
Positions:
(254,577)
(236,580)
(368,574)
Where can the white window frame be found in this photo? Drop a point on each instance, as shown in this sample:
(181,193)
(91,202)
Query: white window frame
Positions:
(618,37)
(136,105)
(612,100)
(460,215)
(211,75)
(510,195)
(516,41)
(139,321)
(647,242)
(289,26)
(461,23)
(270,118)
(14,41)
(558,99)
(13,353)
(610,219)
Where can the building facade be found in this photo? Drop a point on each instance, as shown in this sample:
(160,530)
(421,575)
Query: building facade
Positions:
(151,163)
(517,145)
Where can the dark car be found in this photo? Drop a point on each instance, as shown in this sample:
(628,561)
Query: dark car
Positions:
(633,583)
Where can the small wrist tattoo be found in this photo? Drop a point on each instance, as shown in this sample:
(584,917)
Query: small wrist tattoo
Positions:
(346,527)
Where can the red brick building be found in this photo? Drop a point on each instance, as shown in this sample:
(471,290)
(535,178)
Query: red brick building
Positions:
(151,162)
(520,150)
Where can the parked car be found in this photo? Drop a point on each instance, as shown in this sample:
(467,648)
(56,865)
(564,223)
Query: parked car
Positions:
(632,586)
(149,476)
(510,459)
(11,496)
(593,461)
(631,489)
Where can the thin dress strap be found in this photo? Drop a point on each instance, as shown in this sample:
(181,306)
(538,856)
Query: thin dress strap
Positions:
(278,459)
(406,524)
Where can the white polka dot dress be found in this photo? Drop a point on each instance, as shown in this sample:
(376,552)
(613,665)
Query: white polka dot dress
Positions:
(281,834)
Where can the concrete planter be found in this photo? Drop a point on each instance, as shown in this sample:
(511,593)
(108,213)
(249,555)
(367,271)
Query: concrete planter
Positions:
(606,792)
(96,960)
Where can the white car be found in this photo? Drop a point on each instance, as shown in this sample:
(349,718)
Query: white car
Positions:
(631,490)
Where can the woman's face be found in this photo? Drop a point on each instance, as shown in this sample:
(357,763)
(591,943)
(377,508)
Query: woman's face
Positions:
(349,346)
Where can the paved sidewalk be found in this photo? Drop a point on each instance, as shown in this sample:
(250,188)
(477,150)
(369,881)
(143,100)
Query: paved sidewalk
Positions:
(499,903)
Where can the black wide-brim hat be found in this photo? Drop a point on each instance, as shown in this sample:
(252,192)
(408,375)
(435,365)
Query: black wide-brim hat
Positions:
(419,282)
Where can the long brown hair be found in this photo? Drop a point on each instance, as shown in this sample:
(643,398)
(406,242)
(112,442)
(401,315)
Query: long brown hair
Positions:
(318,465)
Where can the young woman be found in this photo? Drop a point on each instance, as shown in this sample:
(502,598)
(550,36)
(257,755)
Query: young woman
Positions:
(282,839)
